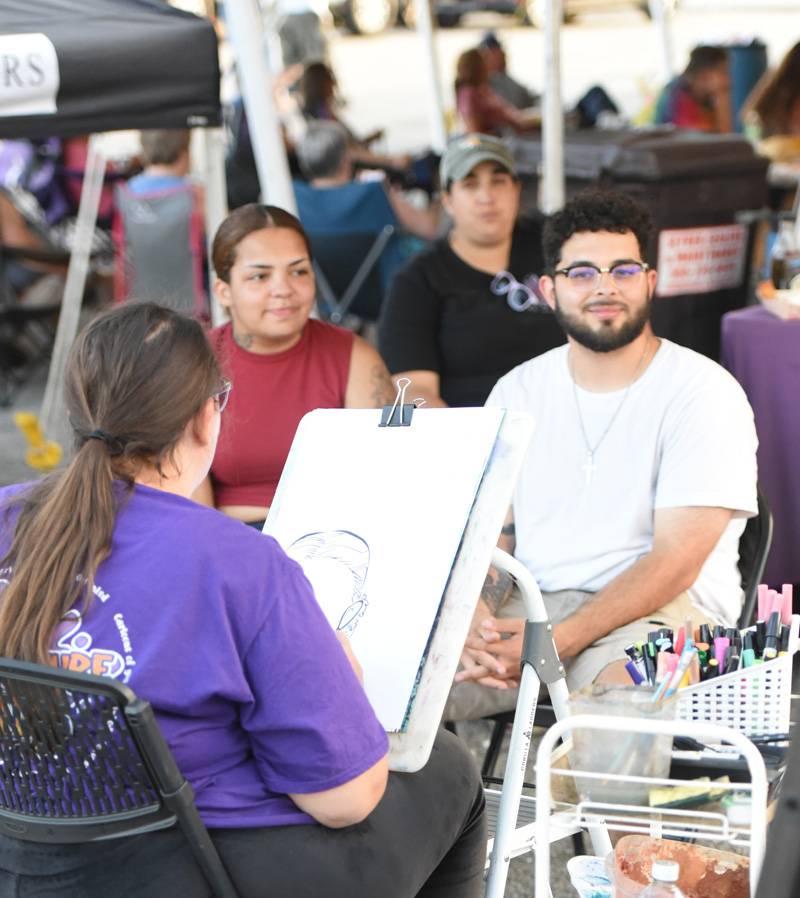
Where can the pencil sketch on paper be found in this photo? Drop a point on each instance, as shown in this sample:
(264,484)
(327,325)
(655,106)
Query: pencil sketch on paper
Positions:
(336,563)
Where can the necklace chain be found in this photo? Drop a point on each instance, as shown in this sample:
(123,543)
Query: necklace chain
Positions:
(590,466)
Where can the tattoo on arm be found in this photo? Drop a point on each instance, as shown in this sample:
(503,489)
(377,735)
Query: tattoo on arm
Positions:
(509,530)
(380,387)
(243,340)
(496,589)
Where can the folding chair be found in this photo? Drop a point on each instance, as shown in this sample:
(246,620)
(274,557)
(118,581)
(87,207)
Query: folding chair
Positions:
(159,249)
(83,760)
(27,332)
(348,274)
(754,546)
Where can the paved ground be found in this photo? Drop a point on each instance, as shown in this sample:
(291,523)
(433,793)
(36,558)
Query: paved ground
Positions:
(12,444)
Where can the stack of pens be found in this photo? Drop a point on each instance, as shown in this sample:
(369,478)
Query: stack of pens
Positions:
(671,660)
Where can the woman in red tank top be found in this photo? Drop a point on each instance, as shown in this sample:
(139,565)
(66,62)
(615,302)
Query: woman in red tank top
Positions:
(281,362)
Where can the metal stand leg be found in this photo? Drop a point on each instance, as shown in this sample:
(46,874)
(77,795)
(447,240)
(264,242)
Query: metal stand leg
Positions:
(540,664)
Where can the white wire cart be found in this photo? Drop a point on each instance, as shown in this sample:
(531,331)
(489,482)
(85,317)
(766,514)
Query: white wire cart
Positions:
(542,822)
(658,822)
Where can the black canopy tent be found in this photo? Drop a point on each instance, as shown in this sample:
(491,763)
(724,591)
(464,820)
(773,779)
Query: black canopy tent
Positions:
(121,64)
(70,67)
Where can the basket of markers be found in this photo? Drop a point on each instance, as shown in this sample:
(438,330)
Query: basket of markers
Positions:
(737,678)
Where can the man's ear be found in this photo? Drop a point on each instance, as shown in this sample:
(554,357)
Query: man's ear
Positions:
(547,288)
(652,280)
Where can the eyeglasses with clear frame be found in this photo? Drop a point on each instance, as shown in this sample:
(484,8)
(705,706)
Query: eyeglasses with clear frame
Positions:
(586,277)
(222,395)
(520,297)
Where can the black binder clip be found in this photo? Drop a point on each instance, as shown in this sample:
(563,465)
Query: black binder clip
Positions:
(399,414)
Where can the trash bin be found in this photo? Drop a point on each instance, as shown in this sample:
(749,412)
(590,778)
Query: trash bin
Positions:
(693,184)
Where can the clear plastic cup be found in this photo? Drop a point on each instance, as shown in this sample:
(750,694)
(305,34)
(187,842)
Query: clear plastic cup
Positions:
(624,754)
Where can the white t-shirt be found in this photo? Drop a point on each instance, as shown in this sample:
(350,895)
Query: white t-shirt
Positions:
(684,436)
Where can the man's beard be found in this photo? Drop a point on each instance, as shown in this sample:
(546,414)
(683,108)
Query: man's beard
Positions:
(607,338)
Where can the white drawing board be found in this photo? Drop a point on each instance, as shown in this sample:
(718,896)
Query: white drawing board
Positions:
(375,515)
(410,750)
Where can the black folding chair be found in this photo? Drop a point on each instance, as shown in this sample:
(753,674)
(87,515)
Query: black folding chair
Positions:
(82,759)
(754,546)
(347,272)
(27,333)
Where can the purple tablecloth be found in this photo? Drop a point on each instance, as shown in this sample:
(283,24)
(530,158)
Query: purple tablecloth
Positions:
(763,354)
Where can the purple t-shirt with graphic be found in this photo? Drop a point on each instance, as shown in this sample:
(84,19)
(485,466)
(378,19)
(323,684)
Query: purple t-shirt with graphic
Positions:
(210,621)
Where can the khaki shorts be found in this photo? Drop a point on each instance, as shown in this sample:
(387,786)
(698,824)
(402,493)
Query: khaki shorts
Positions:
(468,701)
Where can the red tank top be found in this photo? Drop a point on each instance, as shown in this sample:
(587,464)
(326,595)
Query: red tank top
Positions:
(270,395)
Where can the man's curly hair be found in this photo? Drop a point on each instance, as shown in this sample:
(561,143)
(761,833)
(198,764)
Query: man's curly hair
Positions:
(595,209)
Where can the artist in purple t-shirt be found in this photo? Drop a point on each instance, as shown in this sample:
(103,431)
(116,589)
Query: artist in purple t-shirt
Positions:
(219,630)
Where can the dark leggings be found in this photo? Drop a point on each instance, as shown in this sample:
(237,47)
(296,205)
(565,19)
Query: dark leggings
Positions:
(427,837)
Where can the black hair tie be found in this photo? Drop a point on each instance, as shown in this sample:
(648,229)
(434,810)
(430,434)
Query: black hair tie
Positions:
(115,446)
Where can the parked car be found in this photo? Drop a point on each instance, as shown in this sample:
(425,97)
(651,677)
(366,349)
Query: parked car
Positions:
(374,16)
(535,9)
(365,16)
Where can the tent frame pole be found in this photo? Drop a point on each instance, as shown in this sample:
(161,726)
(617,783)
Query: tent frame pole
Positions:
(246,30)
(53,415)
(553,188)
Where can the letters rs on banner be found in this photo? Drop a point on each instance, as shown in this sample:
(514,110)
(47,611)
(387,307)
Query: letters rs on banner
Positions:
(700,260)
(29,78)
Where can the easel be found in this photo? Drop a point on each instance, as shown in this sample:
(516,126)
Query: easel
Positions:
(410,748)
(395,426)
(540,659)
(540,664)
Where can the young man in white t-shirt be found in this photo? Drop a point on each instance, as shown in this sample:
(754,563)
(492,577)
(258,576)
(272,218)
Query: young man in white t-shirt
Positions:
(639,477)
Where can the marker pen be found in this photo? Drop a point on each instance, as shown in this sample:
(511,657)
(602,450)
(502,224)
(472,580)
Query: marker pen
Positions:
(732,659)
(719,631)
(664,644)
(694,670)
(784,650)
(632,652)
(787,607)
(721,644)
(662,666)
(680,640)
(636,659)
(702,651)
(649,658)
(763,596)
(633,672)
(669,687)
(713,668)
(705,634)
(772,640)
(748,652)
(761,635)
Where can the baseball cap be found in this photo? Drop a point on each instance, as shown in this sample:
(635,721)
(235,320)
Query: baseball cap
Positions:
(464,153)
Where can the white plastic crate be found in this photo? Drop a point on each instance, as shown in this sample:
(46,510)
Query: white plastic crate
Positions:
(755,700)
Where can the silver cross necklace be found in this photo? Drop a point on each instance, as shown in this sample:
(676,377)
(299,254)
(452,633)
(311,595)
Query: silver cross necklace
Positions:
(590,467)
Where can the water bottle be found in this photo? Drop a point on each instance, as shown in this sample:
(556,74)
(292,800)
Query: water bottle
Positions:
(665,881)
